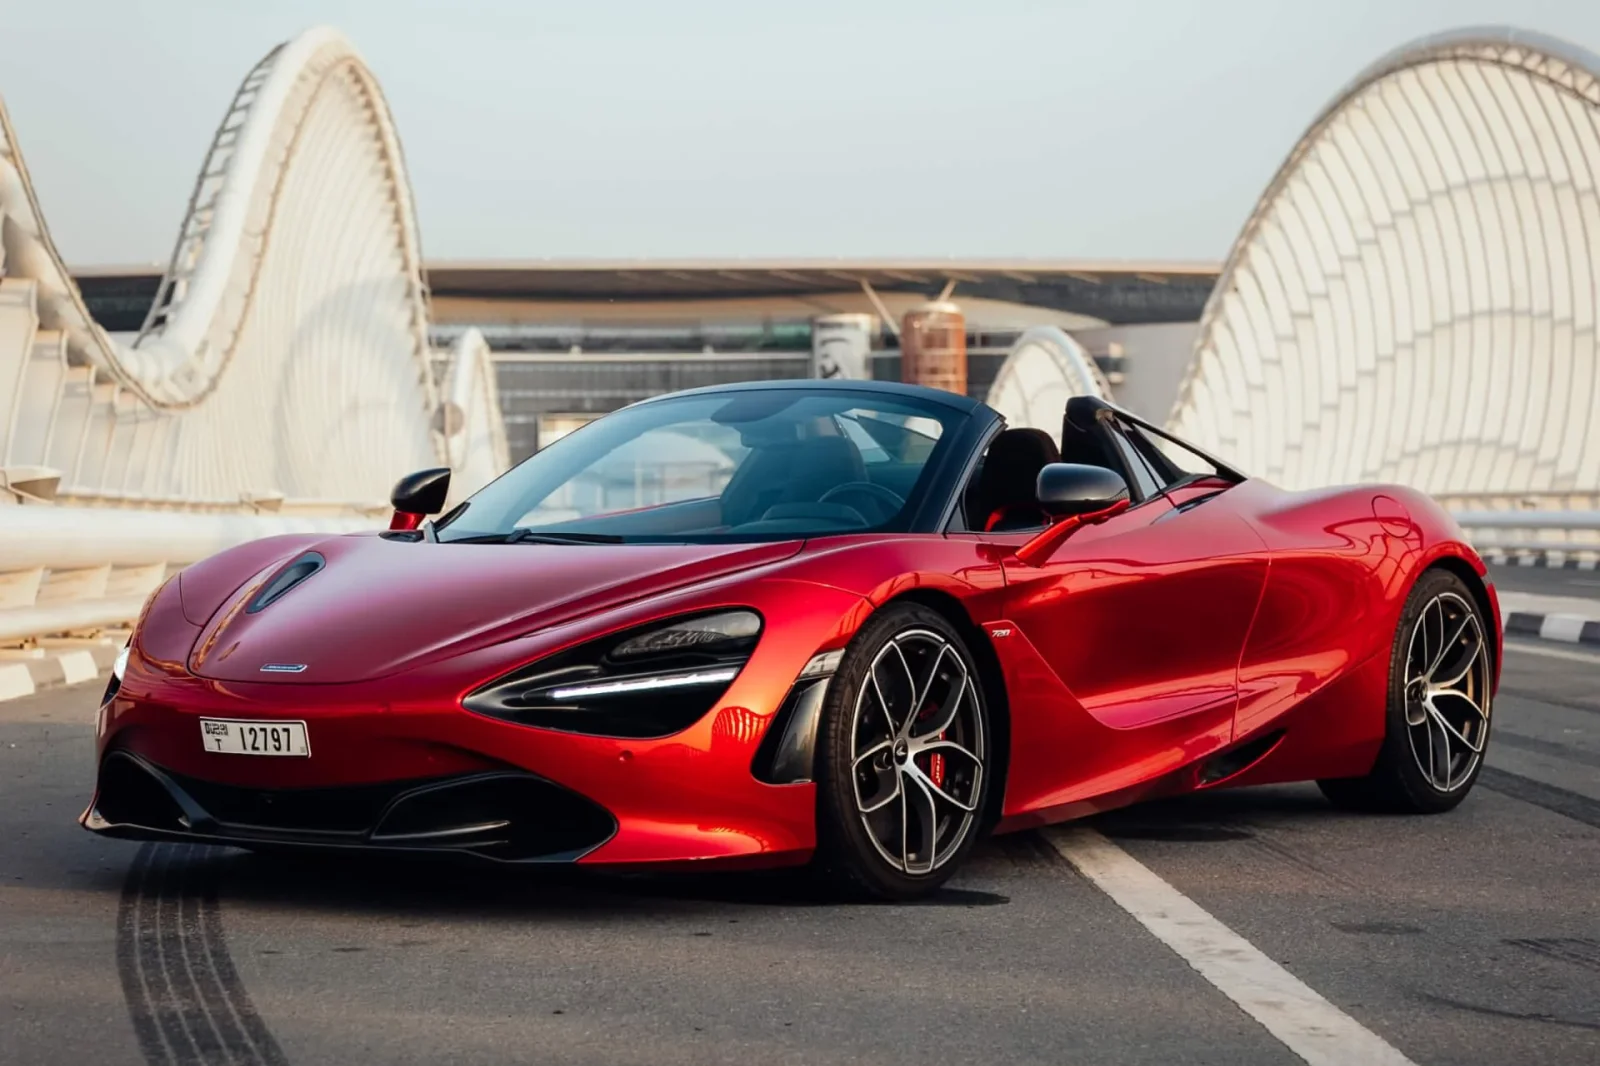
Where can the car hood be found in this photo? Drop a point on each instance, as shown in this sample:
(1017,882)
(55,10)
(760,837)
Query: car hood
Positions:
(381,605)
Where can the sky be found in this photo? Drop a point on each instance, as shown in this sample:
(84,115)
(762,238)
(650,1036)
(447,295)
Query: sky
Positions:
(1060,129)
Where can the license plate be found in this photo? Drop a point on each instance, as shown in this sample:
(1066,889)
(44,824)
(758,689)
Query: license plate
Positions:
(231,736)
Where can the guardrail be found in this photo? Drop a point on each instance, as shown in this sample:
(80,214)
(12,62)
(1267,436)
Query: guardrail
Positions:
(1565,521)
(1574,533)
(71,569)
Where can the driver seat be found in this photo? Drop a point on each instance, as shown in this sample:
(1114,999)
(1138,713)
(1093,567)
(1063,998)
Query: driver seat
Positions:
(1005,495)
(789,472)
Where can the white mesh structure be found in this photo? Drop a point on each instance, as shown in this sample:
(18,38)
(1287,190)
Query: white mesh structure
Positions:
(1414,298)
(469,421)
(1044,369)
(287,355)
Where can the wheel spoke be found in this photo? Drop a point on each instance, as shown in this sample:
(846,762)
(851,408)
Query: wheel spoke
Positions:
(1438,753)
(880,804)
(1462,697)
(911,690)
(920,800)
(947,713)
(1466,665)
(882,745)
(1449,726)
(921,777)
(948,748)
(1432,634)
(1417,651)
(921,696)
(1444,647)
(883,702)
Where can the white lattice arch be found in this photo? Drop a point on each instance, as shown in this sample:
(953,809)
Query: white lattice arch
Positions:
(287,355)
(1043,370)
(1414,297)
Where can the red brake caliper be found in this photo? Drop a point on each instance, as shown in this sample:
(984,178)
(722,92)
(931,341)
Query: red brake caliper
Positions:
(935,761)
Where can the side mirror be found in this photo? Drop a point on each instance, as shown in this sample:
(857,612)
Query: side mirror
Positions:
(1075,496)
(418,495)
(1066,489)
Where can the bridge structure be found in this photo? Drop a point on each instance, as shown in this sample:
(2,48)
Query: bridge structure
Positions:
(281,380)
(1414,299)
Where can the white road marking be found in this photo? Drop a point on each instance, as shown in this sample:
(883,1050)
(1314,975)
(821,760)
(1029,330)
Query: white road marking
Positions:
(77,666)
(1563,627)
(1553,653)
(1290,1010)
(15,681)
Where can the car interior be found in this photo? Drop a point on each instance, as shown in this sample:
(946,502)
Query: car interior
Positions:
(792,471)
(796,475)
(1000,496)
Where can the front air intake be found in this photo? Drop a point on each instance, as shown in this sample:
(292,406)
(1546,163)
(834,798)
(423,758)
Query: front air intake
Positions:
(287,578)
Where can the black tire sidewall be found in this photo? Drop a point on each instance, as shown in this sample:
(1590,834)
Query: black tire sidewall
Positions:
(1396,761)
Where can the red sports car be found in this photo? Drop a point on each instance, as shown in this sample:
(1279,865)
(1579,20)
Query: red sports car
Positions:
(852,624)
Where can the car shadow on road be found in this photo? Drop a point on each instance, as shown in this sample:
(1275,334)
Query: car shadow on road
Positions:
(442,888)
(1227,814)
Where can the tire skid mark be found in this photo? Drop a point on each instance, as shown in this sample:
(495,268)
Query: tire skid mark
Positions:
(162,994)
(184,996)
(1294,857)
(130,965)
(1551,797)
(1579,951)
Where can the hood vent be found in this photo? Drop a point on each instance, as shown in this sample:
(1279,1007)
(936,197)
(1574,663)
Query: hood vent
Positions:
(288,578)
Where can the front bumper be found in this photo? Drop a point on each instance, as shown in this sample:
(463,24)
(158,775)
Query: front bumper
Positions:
(503,816)
(443,781)
(405,745)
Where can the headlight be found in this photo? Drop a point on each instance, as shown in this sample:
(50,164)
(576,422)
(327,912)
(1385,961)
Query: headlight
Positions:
(118,667)
(648,682)
(711,633)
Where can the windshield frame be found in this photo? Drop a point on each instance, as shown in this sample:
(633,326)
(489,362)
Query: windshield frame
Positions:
(966,422)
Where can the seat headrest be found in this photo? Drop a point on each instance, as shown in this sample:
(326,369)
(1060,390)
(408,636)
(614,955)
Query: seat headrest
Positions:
(1025,447)
(820,464)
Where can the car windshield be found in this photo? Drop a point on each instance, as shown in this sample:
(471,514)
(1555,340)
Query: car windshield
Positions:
(764,464)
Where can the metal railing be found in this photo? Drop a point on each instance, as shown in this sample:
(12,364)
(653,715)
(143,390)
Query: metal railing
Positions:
(1547,532)
(77,570)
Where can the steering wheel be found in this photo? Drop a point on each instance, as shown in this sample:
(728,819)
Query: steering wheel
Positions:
(884,497)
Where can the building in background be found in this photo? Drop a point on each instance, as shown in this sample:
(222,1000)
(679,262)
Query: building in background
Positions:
(574,340)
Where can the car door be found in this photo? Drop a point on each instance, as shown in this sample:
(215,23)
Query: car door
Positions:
(1143,617)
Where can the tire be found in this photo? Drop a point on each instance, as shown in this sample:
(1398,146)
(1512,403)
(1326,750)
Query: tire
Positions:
(1439,706)
(870,765)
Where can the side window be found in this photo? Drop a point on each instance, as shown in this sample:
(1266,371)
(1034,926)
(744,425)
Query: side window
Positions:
(1181,460)
(1146,482)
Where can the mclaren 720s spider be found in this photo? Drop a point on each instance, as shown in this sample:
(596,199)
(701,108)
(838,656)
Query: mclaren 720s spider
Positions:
(855,625)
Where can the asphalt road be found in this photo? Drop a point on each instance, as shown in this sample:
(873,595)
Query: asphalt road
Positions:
(1472,937)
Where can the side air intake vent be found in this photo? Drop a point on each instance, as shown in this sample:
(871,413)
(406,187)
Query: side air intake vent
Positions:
(287,578)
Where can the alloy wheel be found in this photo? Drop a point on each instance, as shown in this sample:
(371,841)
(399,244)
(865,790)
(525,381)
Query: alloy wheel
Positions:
(1447,692)
(918,750)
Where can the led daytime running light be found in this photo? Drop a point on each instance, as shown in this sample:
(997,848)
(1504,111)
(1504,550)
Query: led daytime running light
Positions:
(623,686)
